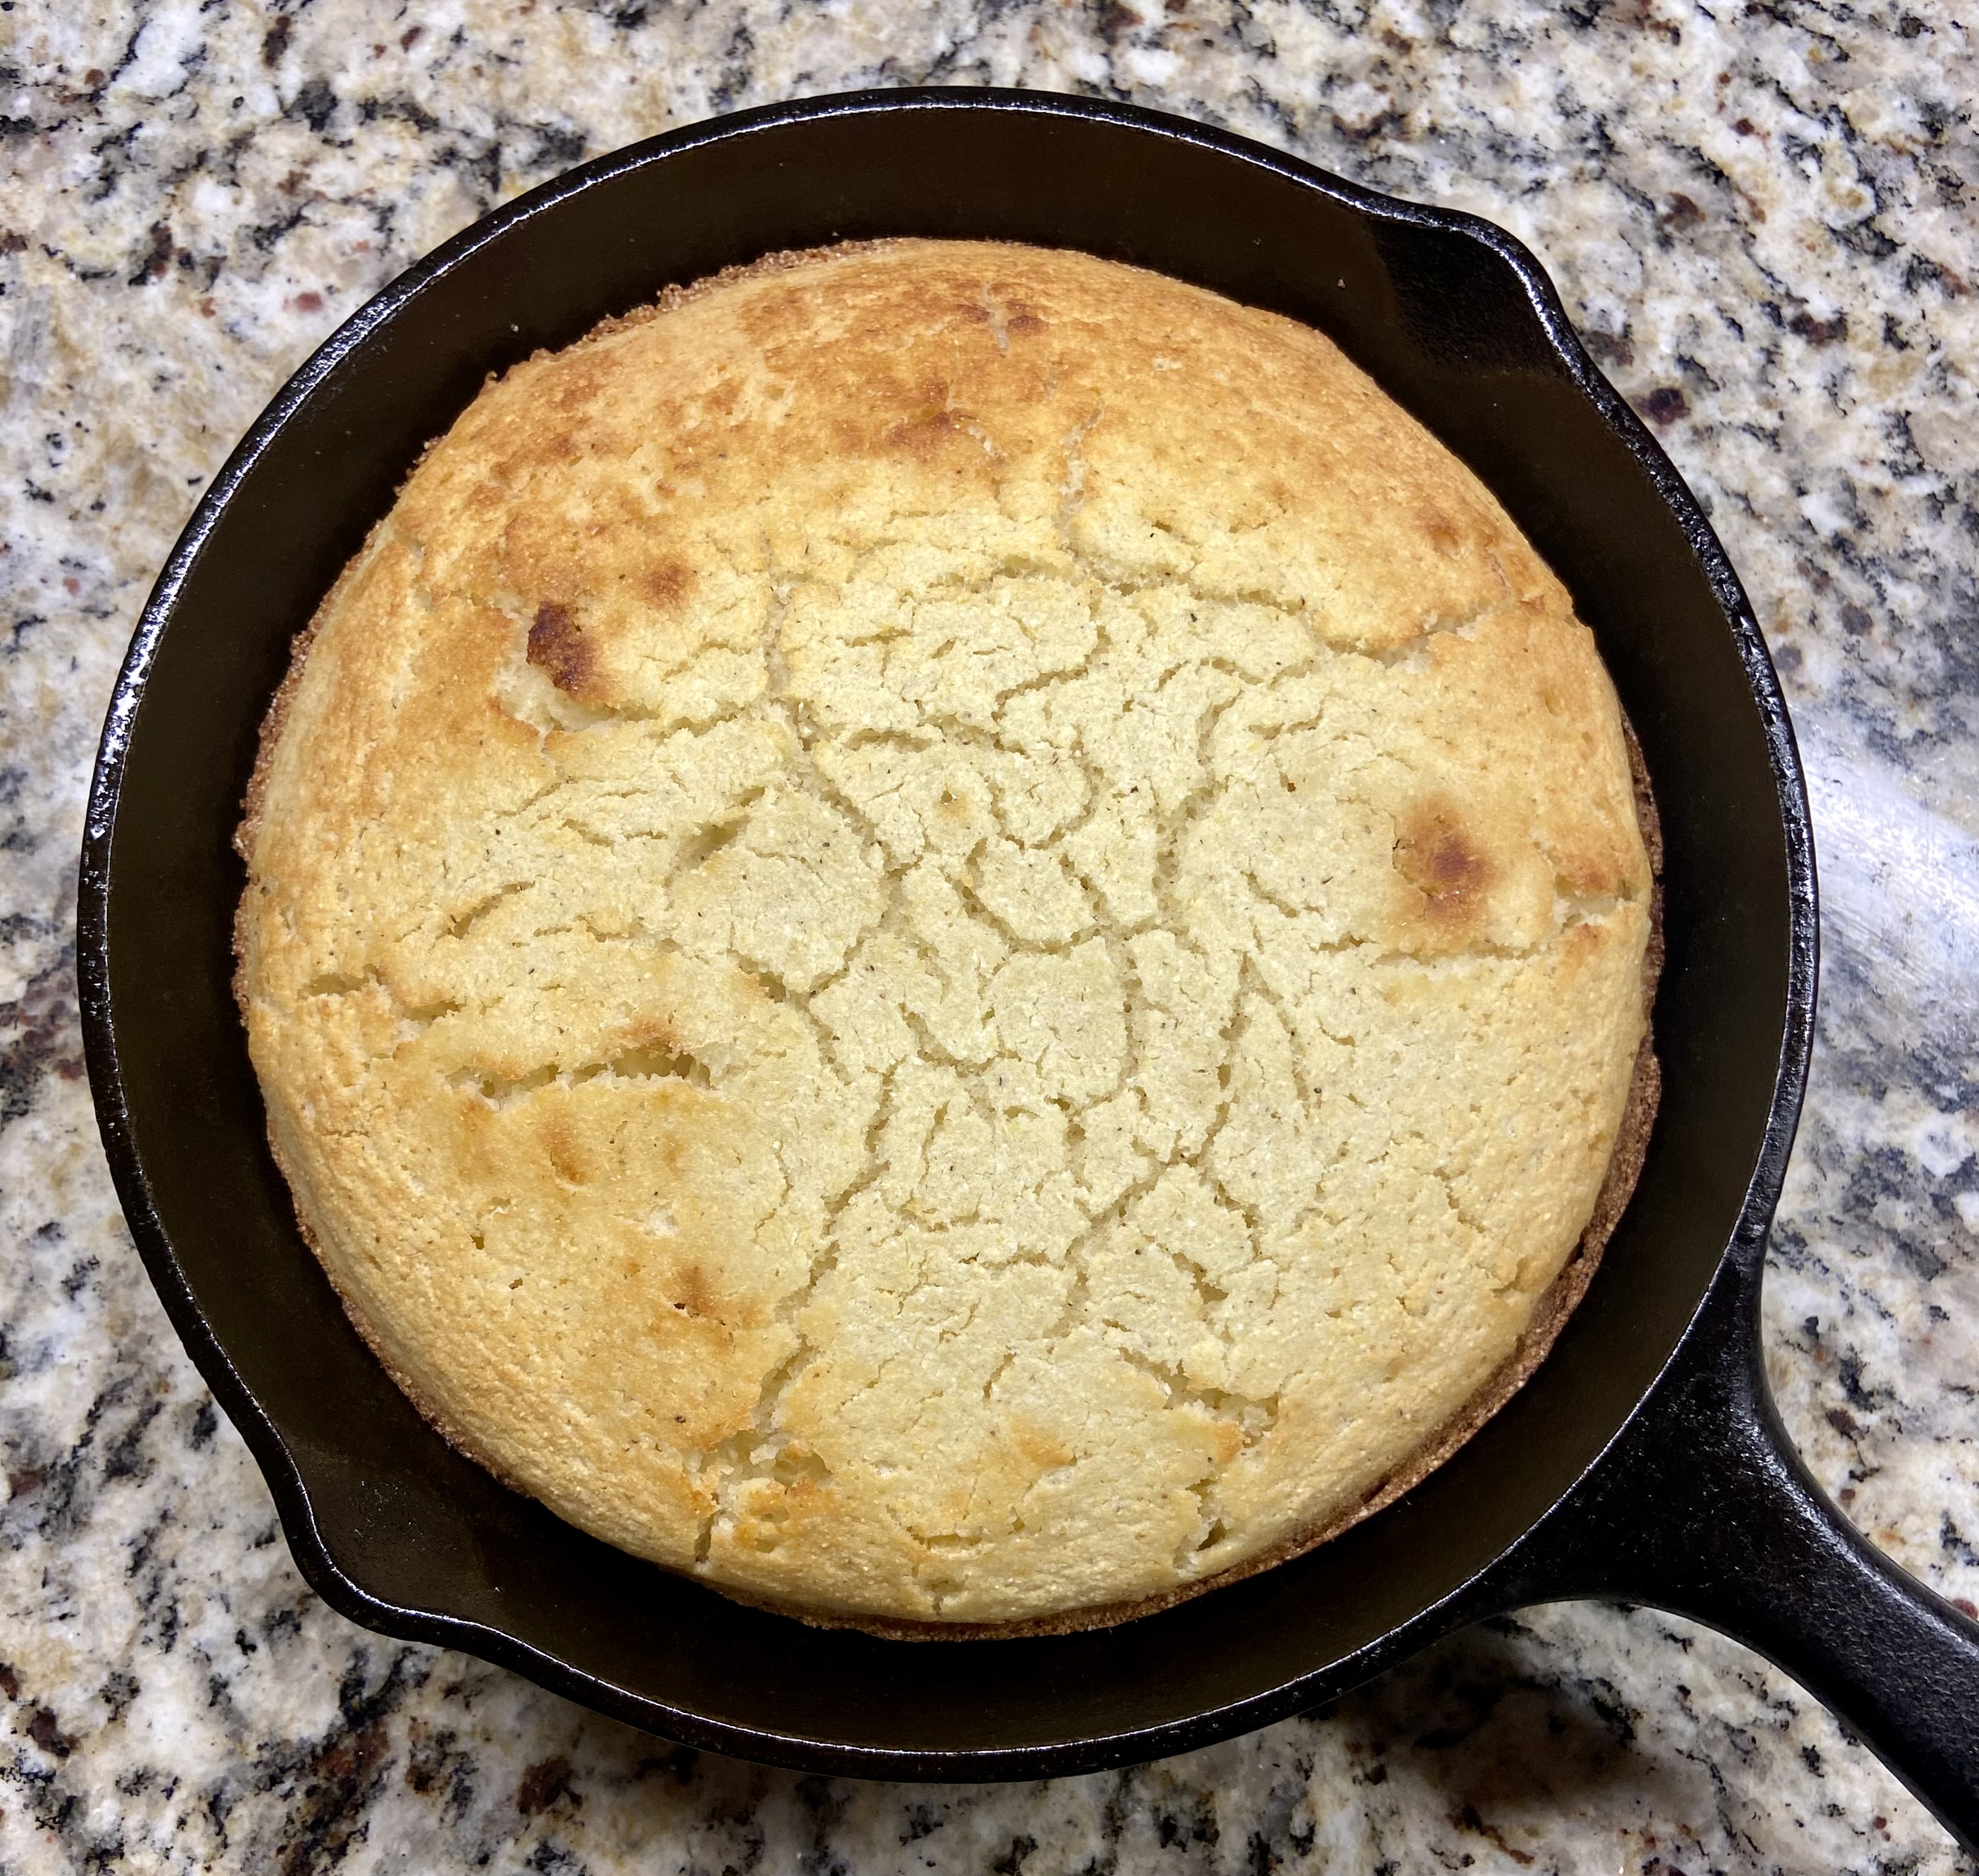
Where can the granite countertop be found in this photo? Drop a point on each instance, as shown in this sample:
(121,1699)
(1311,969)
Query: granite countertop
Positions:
(1765,220)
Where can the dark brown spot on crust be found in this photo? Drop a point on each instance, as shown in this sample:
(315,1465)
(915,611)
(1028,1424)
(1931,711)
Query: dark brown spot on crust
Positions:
(557,648)
(693,1294)
(653,1032)
(670,583)
(561,1146)
(1435,855)
(1022,320)
(1442,532)
(924,434)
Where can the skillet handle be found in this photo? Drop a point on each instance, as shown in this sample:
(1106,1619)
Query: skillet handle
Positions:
(1703,1507)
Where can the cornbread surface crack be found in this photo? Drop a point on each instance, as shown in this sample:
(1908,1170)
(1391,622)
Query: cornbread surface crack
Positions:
(950,933)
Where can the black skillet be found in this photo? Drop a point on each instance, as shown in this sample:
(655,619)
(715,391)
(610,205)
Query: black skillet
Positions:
(1644,1460)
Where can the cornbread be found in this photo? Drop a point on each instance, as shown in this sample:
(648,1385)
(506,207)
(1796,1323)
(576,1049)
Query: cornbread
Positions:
(952,934)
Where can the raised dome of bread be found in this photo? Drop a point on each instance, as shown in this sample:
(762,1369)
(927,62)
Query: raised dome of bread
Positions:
(948,933)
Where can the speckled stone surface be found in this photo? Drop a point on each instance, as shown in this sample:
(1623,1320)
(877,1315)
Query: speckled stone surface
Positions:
(1765,219)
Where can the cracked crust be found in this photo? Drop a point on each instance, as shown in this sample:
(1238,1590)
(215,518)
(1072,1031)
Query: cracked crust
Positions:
(952,935)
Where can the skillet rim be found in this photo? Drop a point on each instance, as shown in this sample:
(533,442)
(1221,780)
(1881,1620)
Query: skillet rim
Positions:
(312,1549)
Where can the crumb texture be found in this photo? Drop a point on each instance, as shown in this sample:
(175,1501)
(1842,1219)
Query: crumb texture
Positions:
(951,934)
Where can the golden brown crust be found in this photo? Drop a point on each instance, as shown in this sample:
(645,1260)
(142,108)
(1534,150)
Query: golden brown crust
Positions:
(632,622)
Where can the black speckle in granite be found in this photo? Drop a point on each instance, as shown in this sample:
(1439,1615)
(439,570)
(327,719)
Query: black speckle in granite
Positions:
(51,1806)
(1848,1367)
(626,15)
(53,1493)
(123,1456)
(557,146)
(1011,1862)
(1609,348)
(331,1781)
(1864,237)
(152,1575)
(268,234)
(315,103)
(437,1763)
(118,1692)
(403,109)
(1198,1826)
(823,1802)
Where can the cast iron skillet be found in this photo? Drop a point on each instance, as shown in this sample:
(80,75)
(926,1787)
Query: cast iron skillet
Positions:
(1644,1460)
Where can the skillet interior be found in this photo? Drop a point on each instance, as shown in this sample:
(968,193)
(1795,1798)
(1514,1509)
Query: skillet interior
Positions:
(403,1534)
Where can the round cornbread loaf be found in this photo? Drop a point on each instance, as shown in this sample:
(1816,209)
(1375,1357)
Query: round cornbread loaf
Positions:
(951,934)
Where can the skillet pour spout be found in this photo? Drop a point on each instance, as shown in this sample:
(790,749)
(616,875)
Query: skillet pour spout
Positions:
(1643,1459)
